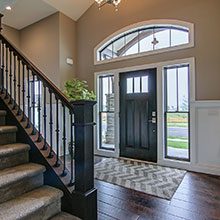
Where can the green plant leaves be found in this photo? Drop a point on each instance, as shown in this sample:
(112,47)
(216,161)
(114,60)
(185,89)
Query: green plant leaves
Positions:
(78,90)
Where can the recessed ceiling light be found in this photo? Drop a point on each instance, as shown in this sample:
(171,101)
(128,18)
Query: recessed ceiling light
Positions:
(8,8)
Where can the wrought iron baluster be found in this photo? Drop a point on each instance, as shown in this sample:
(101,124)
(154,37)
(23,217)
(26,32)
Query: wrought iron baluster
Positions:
(57,133)
(51,126)
(45,118)
(19,87)
(2,65)
(19,91)
(71,150)
(23,91)
(33,104)
(28,99)
(64,141)
(39,111)
(15,80)
(1,75)
(6,71)
(10,76)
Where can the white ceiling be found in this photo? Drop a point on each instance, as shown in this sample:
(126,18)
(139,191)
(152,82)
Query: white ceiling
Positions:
(72,8)
(4,3)
(27,12)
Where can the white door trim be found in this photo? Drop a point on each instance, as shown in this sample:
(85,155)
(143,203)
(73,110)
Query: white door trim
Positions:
(160,117)
(98,151)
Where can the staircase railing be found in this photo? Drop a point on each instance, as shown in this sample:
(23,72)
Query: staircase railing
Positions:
(63,129)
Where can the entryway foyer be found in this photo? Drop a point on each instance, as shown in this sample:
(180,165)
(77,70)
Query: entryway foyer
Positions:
(131,84)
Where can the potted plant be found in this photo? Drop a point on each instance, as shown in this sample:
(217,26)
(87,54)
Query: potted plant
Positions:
(76,90)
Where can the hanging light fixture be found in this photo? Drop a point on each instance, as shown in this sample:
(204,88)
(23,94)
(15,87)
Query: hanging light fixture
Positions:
(115,3)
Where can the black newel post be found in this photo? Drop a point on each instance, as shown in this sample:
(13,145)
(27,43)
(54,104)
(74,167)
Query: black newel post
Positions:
(85,195)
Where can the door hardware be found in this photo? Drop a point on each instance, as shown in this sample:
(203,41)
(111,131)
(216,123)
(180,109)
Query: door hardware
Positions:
(153,120)
(153,114)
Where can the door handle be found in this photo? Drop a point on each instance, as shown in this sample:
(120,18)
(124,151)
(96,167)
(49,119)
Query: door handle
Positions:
(153,120)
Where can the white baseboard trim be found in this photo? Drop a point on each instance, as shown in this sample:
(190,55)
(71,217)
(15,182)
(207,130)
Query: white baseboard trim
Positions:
(199,168)
(206,104)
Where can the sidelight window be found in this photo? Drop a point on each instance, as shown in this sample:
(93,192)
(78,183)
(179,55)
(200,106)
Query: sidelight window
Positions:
(106,113)
(177,129)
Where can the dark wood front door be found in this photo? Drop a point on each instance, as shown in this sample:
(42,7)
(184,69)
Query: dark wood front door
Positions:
(138,119)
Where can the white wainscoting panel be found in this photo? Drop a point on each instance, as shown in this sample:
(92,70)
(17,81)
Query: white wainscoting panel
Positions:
(207,141)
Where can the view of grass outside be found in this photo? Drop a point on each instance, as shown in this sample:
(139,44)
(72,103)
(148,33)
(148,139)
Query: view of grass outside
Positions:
(177,108)
(177,143)
(177,130)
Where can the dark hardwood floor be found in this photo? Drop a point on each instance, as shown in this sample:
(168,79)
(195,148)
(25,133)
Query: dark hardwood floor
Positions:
(197,198)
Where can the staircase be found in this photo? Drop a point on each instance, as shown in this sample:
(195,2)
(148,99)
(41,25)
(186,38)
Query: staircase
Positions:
(23,194)
(58,134)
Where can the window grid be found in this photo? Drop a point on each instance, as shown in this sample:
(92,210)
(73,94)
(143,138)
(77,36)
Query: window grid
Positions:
(167,111)
(153,28)
(141,87)
(103,109)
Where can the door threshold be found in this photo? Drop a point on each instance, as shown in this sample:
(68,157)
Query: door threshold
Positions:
(137,160)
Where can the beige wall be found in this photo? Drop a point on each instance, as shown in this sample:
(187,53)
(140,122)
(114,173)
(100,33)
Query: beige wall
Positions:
(67,48)
(47,44)
(40,42)
(12,34)
(94,26)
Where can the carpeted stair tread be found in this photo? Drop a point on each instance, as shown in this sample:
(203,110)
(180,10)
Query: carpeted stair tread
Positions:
(3,113)
(64,215)
(8,129)
(22,193)
(29,203)
(13,174)
(12,149)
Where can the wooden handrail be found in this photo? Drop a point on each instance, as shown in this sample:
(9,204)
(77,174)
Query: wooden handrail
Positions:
(51,86)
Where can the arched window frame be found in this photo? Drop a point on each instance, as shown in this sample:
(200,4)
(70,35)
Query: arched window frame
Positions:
(138,26)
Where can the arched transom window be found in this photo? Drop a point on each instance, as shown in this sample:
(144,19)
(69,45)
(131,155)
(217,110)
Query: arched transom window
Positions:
(144,39)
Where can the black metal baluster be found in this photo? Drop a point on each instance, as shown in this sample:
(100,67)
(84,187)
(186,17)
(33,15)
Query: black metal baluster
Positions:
(6,71)
(71,150)
(64,142)
(57,133)
(15,80)
(33,105)
(28,99)
(10,76)
(45,118)
(39,139)
(2,65)
(23,91)
(19,87)
(51,126)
